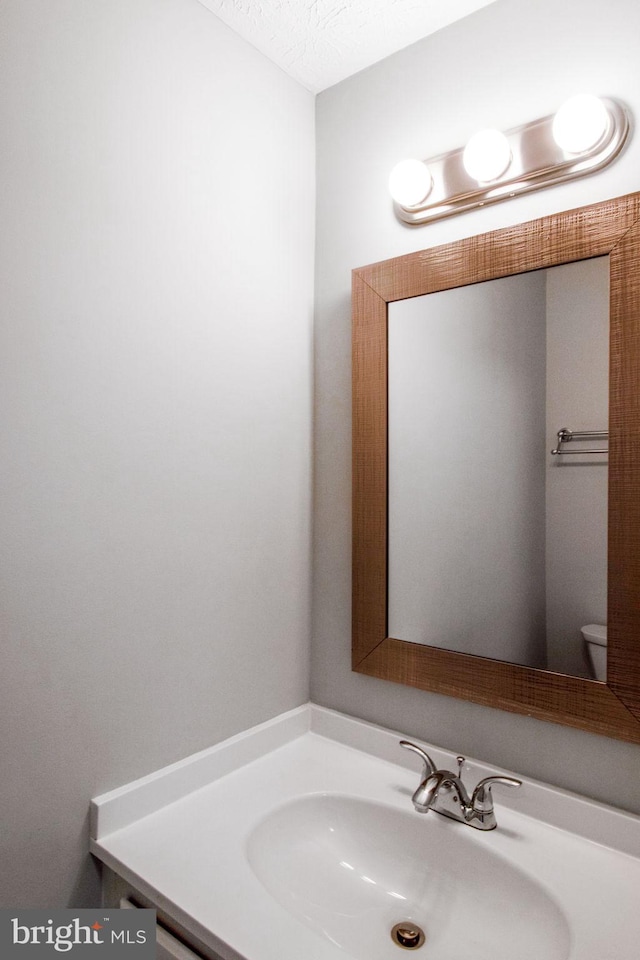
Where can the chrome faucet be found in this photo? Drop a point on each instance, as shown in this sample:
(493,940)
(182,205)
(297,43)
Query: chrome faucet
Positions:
(444,792)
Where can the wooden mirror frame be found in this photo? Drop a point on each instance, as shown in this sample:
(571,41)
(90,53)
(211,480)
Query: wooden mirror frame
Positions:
(608,229)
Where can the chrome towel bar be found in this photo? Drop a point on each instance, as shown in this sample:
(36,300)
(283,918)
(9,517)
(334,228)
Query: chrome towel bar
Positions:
(565,436)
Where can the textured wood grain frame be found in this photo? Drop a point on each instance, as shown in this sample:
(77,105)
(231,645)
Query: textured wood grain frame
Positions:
(608,229)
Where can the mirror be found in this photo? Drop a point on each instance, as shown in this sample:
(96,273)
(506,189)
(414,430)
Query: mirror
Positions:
(419,649)
(481,378)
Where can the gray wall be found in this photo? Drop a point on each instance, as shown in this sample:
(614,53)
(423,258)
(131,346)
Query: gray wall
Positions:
(157,184)
(511,62)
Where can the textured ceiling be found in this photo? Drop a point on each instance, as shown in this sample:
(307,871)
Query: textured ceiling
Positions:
(319,42)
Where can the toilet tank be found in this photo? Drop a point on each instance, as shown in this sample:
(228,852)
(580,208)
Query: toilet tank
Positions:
(595,633)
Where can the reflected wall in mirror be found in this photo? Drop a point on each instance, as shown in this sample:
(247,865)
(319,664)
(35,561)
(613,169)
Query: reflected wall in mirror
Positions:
(416,651)
(497,547)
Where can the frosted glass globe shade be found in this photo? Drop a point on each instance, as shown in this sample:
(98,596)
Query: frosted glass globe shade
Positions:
(487,155)
(580,123)
(410,182)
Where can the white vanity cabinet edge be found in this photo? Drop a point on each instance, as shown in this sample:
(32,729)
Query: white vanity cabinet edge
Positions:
(168,947)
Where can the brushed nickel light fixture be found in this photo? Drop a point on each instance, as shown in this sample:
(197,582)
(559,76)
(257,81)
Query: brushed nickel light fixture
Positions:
(583,136)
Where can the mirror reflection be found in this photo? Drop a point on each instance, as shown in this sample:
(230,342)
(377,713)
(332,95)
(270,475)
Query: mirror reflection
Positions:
(496,547)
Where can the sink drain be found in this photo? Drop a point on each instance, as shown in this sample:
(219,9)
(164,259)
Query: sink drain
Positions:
(408,935)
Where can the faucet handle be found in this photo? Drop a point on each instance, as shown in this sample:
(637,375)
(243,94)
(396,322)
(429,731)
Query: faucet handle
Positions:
(482,800)
(429,765)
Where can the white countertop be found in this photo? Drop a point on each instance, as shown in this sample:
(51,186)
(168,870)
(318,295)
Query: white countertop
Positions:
(180,836)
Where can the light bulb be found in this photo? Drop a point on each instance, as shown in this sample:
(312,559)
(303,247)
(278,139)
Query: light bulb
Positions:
(580,123)
(410,182)
(487,155)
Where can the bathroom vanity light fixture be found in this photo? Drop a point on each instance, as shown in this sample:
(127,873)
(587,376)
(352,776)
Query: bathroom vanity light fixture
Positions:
(583,136)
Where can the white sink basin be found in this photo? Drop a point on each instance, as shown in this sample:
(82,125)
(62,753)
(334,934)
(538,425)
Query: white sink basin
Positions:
(352,869)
